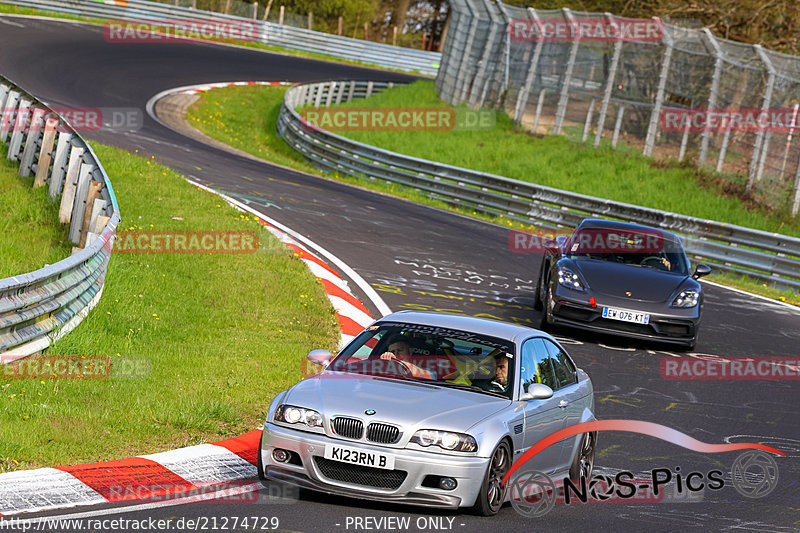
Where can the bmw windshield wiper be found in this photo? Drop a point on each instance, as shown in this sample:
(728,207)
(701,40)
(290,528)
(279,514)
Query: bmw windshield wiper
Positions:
(464,386)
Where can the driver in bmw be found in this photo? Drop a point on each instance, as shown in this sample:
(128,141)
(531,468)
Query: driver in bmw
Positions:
(401,351)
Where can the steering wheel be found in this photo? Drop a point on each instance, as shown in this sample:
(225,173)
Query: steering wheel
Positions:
(397,367)
(655,259)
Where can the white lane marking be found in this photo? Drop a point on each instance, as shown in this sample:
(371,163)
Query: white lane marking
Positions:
(370,293)
(757,296)
(205,497)
(4,21)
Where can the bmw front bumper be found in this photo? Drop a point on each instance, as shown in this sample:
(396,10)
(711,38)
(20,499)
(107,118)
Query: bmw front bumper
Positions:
(413,470)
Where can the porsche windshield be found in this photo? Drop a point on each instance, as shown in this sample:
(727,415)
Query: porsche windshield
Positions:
(643,248)
(440,356)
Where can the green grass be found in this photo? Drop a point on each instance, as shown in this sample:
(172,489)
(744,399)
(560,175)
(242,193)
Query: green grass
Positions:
(17,10)
(30,235)
(221,334)
(246,118)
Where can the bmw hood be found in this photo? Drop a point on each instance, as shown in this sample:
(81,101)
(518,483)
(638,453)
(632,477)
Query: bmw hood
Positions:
(616,279)
(406,403)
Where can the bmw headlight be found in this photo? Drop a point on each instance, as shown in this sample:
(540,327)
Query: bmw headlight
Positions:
(447,440)
(291,414)
(568,278)
(687,298)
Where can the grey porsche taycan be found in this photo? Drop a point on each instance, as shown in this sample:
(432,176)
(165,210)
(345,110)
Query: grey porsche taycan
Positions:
(624,279)
(432,410)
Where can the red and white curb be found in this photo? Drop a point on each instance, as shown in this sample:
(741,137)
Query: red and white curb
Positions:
(195,89)
(185,469)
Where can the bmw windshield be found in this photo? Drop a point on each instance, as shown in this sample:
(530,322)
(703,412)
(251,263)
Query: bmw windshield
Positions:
(440,356)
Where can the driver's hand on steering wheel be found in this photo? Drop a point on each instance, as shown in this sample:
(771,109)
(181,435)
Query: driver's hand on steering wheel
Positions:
(666,263)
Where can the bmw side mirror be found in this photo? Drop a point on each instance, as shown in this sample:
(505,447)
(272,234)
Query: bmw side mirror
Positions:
(537,391)
(319,357)
(701,270)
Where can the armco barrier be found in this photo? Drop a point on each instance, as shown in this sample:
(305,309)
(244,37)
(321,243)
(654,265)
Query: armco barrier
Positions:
(38,307)
(379,54)
(771,257)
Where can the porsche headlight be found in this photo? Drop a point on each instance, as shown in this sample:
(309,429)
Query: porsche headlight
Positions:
(568,278)
(686,299)
(446,440)
(291,414)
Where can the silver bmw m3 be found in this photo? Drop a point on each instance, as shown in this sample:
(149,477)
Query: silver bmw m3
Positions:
(430,409)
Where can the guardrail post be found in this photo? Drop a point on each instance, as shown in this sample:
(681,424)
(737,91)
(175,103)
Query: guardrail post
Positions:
(724,148)
(684,140)
(60,163)
(478,82)
(369,89)
(756,160)
(612,74)
(620,113)
(79,205)
(712,97)
(351,91)
(652,128)
(20,124)
(92,194)
(796,203)
(340,93)
(329,99)
(789,139)
(561,111)
(522,97)
(539,105)
(31,142)
(588,122)
(46,153)
(507,54)
(70,185)
(5,91)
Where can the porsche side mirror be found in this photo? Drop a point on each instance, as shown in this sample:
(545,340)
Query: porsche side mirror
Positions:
(537,391)
(701,270)
(561,241)
(319,357)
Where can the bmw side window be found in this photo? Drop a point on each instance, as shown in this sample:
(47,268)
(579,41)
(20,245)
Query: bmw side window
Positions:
(536,365)
(564,368)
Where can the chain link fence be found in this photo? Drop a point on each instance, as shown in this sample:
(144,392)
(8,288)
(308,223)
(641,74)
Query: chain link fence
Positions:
(668,91)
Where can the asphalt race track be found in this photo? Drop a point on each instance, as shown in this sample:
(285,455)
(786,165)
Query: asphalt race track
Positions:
(422,258)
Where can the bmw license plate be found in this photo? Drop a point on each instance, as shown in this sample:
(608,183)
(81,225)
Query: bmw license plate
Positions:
(626,316)
(359,457)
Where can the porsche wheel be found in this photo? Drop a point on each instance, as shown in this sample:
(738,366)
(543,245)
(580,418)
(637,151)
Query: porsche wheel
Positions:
(492,493)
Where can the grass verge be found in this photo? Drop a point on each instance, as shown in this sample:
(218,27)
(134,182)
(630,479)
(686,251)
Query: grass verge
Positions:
(30,235)
(246,118)
(214,335)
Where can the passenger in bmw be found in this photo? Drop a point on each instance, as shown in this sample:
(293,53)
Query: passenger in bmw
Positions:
(400,350)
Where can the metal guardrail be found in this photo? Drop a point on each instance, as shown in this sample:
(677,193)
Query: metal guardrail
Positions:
(379,54)
(39,307)
(771,257)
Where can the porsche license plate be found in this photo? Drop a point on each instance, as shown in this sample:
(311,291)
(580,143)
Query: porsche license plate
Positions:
(626,316)
(359,457)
